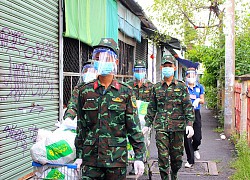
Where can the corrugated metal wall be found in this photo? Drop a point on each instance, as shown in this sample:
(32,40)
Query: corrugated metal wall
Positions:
(29,83)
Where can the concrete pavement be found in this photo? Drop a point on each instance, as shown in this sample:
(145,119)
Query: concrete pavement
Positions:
(216,154)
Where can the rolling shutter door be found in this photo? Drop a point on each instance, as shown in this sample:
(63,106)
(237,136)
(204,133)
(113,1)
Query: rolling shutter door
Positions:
(29,79)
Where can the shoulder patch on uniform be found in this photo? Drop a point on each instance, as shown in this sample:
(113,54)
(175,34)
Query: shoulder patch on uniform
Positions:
(117,99)
(177,89)
(133,100)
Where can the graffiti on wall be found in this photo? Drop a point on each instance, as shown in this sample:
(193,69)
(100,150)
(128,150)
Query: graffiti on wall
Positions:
(33,108)
(26,79)
(28,69)
(19,135)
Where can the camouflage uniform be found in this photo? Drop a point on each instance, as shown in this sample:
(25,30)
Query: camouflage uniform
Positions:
(105,118)
(143,93)
(71,111)
(170,110)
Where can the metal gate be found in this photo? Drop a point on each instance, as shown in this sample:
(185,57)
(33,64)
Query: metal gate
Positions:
(237,95)
(72,64)
(29,79)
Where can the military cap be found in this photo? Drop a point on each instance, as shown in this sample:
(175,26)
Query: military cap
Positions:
(140,64)
(168,58)
(109,43)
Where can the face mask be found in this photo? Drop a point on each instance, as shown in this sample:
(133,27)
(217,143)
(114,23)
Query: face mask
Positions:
(191,80)
(168,71)
(139,76)
(104,68)
(87,77)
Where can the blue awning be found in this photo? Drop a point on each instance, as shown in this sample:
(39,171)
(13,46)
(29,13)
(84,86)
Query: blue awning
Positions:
(187,63)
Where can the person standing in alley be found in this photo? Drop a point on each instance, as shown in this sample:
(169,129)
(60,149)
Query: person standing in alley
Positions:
(88,74)
(171,112)
(196,91)
(106,116)
(142,89)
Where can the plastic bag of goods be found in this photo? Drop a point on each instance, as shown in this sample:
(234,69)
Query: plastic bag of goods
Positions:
(58,148)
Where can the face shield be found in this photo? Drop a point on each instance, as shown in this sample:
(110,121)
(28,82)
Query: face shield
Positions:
(104,61)
(191,77)
(88,73)
(140,73)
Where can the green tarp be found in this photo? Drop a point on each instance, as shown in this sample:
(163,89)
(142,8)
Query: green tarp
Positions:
(91,20)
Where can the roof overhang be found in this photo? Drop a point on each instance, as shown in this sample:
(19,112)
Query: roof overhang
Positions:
(166,41)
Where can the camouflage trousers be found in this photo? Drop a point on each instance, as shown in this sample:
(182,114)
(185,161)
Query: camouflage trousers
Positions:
(101,173)
(169,145)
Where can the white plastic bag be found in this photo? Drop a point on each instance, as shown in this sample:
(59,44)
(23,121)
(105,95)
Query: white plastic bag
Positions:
(43,134)
(58,148)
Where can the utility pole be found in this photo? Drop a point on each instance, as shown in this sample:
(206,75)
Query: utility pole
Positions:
(229,114)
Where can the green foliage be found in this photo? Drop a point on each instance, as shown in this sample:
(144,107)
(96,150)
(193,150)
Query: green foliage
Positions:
(208,79)
(242,54)
(218,130)
(179,18)
(213,60)
(211,97)
(242,164)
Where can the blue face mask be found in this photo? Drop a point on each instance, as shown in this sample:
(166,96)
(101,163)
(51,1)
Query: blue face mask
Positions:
(87,77)
(168,71)
(139,76)
(104,68)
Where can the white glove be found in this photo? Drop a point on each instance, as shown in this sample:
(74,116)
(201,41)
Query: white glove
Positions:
(139,168)
(196,102)
(78,162)
(189,131)
(145,129)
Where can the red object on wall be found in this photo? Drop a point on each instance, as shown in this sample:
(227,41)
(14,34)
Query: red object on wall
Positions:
(152,56)
(248,114)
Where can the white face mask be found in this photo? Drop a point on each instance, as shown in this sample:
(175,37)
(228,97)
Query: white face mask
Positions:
(191,80)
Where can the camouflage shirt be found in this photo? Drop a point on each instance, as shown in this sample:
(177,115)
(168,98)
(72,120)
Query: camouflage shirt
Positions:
(71,111)
(143,93)
(170,107)
(105,118)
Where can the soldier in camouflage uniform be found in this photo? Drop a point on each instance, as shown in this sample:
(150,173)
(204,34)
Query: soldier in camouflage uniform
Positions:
(171,111)
(141,86)
(88,74)
(106,115)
